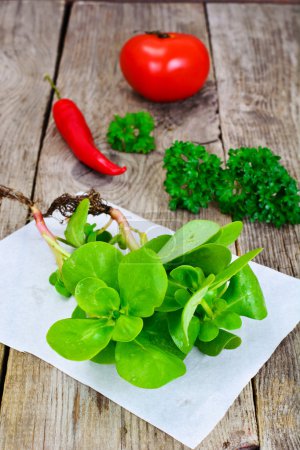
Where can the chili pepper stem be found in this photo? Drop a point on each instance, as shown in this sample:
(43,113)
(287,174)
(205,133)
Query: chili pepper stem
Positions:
(53,85)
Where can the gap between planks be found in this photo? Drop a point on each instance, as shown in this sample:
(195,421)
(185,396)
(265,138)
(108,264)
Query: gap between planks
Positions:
(62,34)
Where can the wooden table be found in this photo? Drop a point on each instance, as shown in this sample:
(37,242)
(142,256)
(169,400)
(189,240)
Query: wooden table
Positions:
(252,98)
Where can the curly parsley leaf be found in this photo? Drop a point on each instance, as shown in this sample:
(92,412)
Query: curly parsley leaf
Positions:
(132,133)
(192,176)
(253,185)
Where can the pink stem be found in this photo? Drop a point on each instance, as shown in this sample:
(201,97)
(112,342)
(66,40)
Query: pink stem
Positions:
(40,223)
(124,228)
(59,253)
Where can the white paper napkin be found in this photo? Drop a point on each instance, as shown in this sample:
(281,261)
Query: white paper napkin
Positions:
(187,408)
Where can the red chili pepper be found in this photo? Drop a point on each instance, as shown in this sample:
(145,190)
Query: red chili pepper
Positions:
(72,126)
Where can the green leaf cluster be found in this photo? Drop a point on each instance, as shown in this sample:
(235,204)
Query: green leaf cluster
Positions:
(79,231)
(192,176)
(146,310)
(207,292)
(132,133)
(253,185)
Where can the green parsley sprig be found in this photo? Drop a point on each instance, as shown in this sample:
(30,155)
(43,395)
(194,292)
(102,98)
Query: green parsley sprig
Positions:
(132,133)
(192,176)
(253,185)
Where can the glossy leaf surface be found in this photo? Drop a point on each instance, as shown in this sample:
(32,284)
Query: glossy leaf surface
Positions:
(79,339)
(127,328)
(177,333)
(188,238)
(147,365)
(95,259)
(244,295)
(143,282)
(74,232)
(224,340)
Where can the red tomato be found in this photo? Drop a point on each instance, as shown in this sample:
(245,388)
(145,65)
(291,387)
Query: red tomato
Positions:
(165,67)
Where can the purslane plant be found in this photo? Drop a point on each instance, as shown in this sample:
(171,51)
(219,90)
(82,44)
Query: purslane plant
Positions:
(146,309)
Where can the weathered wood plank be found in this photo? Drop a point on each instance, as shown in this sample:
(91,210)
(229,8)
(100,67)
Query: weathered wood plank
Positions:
(192,1)
(27,49)
(59,412)
(89,74)
(257,67)
(228,434)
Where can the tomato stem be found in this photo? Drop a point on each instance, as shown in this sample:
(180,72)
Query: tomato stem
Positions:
(159,34)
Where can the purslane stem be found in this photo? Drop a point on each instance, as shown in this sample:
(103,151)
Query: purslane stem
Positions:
(105,226)
(125,229)
(206,308)
(59,253)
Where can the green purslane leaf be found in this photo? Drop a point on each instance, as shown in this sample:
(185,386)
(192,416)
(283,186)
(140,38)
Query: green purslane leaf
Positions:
(143,282)
(244,295)
(187,276)
(127,328)
(95,259)
(107,301)
(182,296)
(85,295)
(78,313)
(177,333)
(75,231)
(190,307)
(105,236)
(210,258)
(208,331)
(170,303)
(224,340)
(56,281)
(79,339)
(132,133)
(152,359)
(146,365)
(53,278)
(158,242)
(234,268)
(228,234)
(228,320)
(107,355)
(187,239)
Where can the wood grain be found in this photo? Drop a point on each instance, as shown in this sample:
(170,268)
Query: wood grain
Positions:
(27,50)
(193,1)
(59,412)
(89,74)
(257,67)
